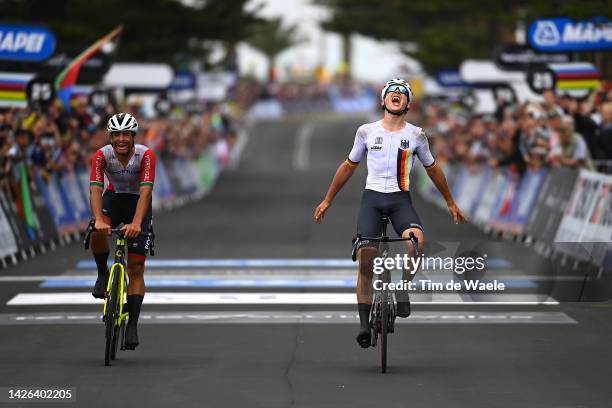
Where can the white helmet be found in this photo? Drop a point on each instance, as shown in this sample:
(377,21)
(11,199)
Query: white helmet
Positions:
(122,122)
(396,81)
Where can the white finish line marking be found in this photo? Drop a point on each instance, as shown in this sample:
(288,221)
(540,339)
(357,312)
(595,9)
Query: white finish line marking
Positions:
(292,317)
(232,298)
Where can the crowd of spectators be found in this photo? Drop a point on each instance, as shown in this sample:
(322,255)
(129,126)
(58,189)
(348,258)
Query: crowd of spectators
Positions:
(559,131)
(53,140)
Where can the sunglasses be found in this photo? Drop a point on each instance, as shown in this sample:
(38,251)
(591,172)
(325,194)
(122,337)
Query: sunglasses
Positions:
(400,88)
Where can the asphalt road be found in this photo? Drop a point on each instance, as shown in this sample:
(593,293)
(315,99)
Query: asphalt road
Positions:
(250,305)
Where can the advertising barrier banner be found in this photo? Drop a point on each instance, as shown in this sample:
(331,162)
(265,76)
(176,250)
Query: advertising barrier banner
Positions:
(17,225)
(62,217)
(46,228)
(162,191)
(548,210)
(8,245)
(78,201)
(189,180)
(502,209)
(526,197)
(587,218)
(484,211)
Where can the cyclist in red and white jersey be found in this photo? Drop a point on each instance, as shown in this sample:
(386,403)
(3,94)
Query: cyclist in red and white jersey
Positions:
(130,171)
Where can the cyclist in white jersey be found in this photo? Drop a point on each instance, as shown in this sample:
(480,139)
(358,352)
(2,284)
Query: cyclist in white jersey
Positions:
(391,145)
(130,171)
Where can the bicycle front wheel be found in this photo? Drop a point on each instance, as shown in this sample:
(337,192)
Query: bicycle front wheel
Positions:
(111,314)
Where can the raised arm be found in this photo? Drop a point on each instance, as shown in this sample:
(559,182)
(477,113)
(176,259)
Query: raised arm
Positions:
(344,172)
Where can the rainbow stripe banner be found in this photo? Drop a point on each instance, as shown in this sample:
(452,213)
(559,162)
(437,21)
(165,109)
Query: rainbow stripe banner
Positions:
(66,80)
(576,77)
(13,89)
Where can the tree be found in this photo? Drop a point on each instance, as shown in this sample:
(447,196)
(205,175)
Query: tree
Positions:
(154,30)
(271,38)
(446,32)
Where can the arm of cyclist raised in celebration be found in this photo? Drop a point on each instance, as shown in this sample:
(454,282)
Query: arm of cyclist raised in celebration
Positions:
(344,172)
(436,174)
(147,178)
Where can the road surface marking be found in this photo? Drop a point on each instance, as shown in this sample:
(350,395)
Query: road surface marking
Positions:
(232,298)
(292,317)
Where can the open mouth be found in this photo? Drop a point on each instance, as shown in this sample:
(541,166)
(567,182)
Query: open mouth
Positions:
(395,99)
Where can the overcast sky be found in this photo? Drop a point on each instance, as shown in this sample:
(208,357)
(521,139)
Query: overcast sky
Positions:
(372,60)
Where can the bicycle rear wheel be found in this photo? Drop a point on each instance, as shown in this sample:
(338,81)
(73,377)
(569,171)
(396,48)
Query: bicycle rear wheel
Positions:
(109,318)
(384,322)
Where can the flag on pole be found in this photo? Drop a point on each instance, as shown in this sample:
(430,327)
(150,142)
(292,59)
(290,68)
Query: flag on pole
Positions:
(28,215)
(66,80)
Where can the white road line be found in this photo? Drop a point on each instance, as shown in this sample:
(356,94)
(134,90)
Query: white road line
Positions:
(301,152)
(294,317)
(262,274)
(236,154)
(233,298)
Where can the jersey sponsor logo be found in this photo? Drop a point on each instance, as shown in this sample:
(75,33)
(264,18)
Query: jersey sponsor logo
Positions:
(99,176)
(124,171)
(147,168)
(376,148)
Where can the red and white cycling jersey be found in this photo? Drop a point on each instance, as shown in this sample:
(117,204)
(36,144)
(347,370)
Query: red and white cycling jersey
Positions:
(139,171)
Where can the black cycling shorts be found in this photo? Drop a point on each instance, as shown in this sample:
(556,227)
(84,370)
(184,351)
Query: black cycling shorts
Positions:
(120,208)
(397,206)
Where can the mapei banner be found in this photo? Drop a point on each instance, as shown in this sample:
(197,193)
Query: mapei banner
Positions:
(24,43)
(564,34)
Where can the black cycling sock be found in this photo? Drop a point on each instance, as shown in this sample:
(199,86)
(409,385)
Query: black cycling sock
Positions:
(134,303)
(364,314)
(101,263)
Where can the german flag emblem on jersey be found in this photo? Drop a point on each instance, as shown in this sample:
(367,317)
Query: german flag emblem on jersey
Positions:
(403,167)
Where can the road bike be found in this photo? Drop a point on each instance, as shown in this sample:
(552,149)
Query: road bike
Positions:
(384,307)
(113,315)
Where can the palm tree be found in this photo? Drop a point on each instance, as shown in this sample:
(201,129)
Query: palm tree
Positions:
(271,38)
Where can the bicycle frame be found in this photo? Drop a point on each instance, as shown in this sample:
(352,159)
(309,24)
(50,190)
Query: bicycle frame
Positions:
(119,266)
(115,328)
(384,307)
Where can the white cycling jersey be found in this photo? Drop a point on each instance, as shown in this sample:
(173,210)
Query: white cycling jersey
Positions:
(390,155)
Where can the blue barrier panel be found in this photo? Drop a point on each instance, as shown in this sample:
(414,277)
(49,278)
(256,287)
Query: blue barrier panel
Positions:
(501,209)
(74,195)
(188,184)
(163,188)
(62,215)
(526,197)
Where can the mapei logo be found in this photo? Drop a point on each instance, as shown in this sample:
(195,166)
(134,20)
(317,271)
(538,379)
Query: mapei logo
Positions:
(564,34)
(546,34)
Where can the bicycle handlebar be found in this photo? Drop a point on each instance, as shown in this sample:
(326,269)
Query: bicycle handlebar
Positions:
(358,238)
(119,233)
